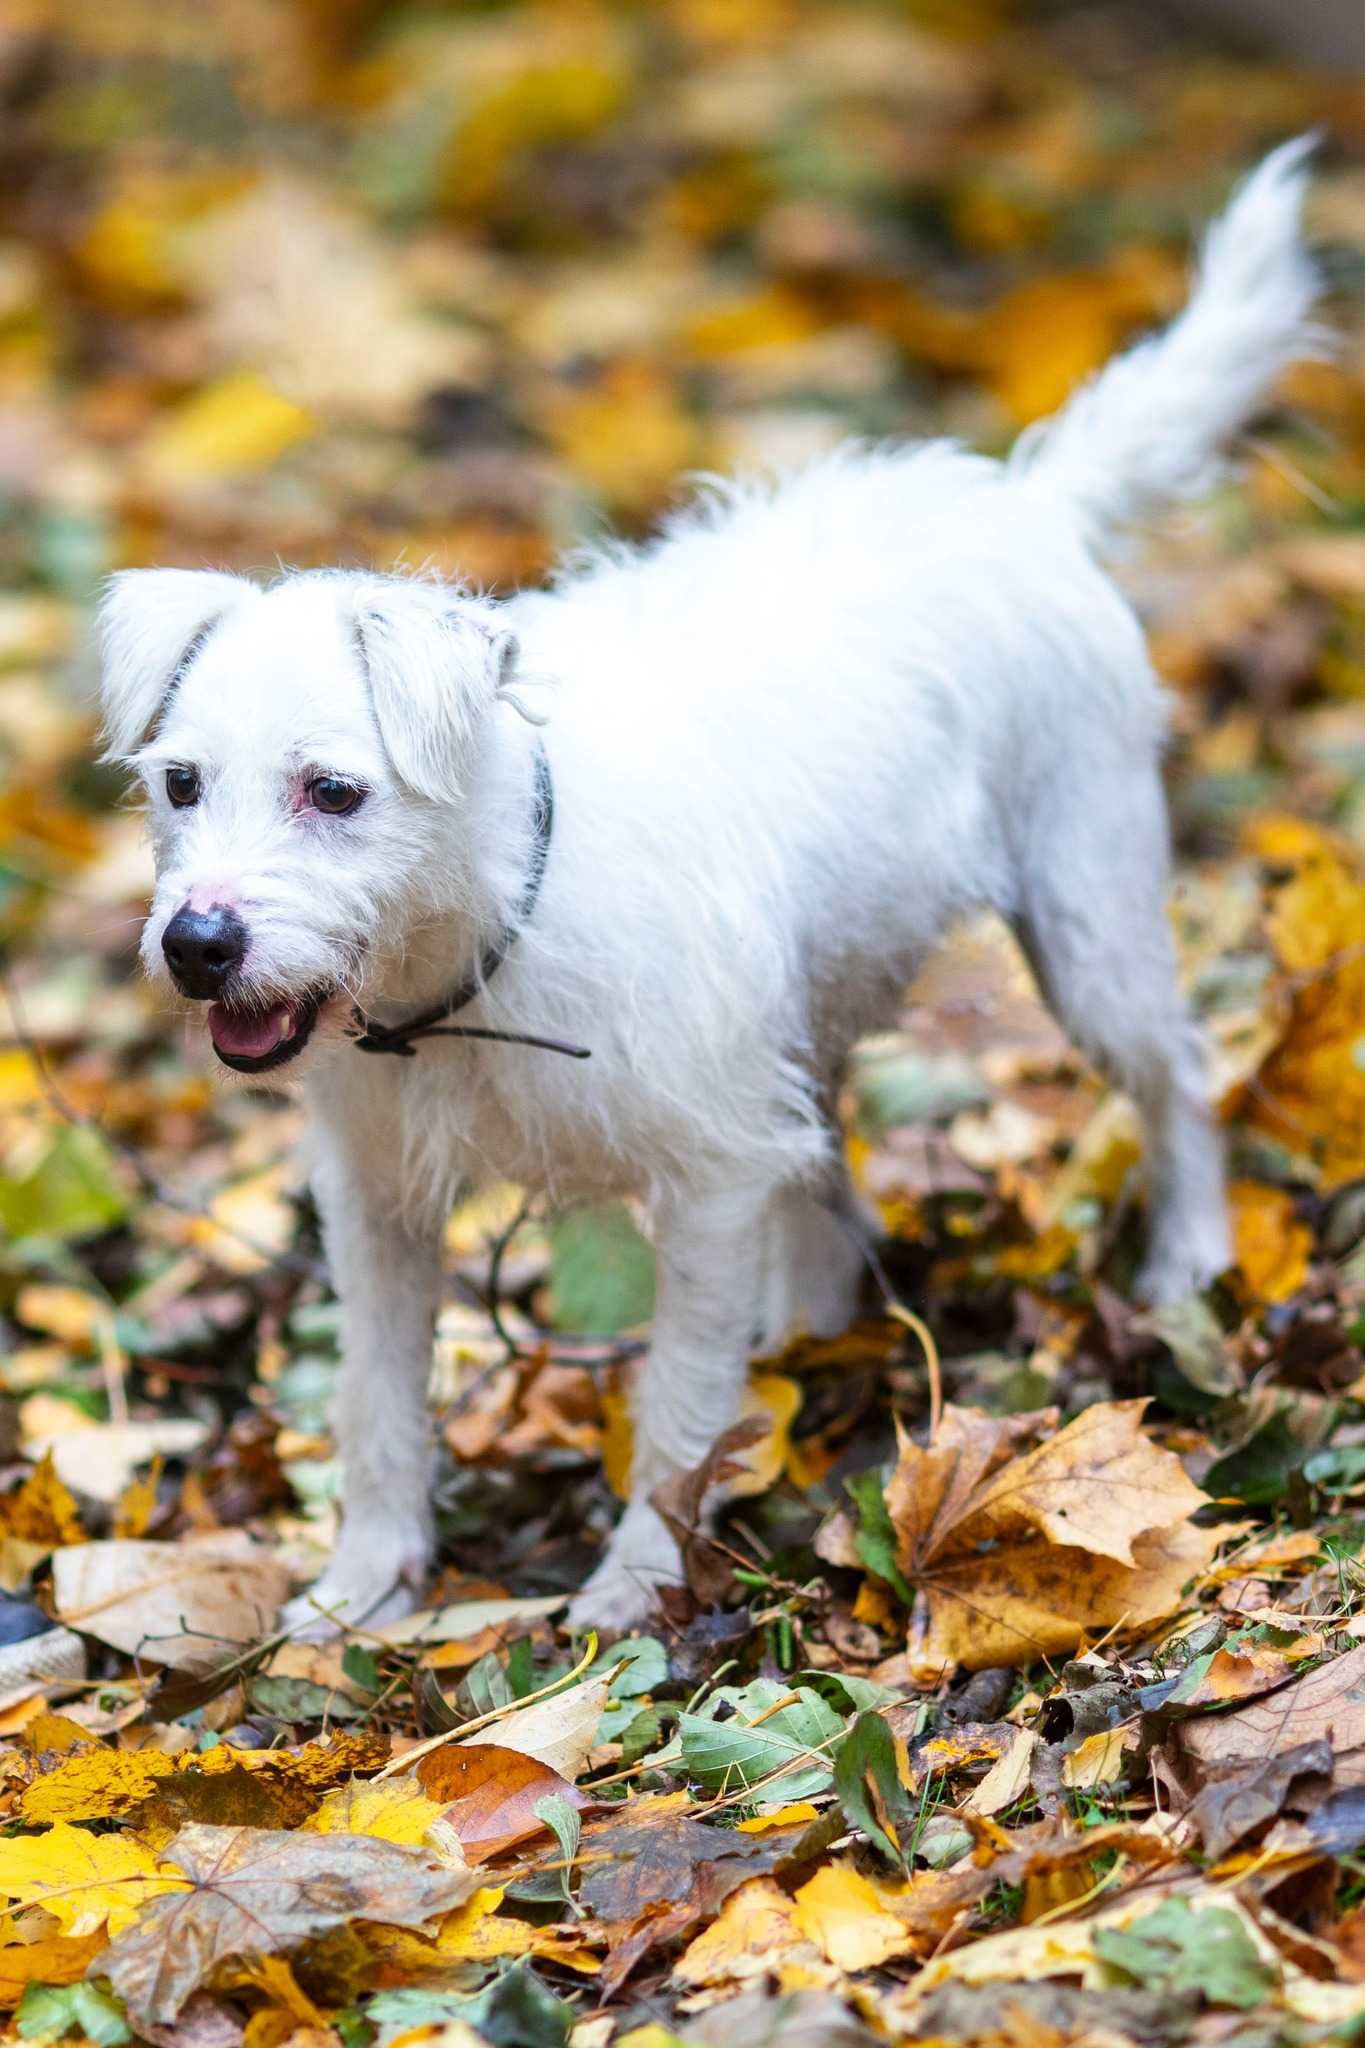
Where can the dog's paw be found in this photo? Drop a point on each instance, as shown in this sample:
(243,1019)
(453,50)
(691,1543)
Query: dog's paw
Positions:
(641,1557)
(373,1579)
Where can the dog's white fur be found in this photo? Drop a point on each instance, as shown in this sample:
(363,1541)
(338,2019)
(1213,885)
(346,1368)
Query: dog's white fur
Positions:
(791,741)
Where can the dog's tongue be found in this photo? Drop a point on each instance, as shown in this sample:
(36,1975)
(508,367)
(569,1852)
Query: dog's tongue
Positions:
(249,1034)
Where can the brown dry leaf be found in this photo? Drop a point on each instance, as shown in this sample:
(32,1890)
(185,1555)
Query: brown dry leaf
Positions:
(557,1732)
(1027,1600)
(1007,1777)
(489,1794)
(1239,1798)
(652,1853)
(1099,1485)
(1016,1559)
(191,1604)
(42,1510)
(1327,1703)
(1242,1673)
(255,1891)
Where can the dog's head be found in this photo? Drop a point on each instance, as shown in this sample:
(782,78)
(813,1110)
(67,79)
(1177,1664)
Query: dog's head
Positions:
(305,750)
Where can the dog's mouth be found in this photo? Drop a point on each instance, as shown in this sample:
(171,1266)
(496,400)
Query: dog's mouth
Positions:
(251,1040)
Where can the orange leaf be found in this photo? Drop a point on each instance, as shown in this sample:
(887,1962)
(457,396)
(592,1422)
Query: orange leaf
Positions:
(490,1794)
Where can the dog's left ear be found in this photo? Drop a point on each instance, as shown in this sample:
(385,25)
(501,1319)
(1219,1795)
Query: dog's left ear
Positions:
(435,665)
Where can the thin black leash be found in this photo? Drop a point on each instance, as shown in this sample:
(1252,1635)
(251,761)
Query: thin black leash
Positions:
(399,1038)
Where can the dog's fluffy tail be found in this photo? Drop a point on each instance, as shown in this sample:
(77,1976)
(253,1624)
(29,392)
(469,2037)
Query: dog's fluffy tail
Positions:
(1153,424)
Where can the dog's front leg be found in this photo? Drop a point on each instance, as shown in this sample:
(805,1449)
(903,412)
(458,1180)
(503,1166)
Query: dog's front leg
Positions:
(388,1277)
(691,1386)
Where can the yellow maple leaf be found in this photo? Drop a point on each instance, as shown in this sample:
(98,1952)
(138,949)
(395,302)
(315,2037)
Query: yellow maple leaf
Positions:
(396,1810)
(42,1510)
(756,1924)
(87,1882)
(846,1917)
(1273,1246)
(96,1784)
(1310,1089)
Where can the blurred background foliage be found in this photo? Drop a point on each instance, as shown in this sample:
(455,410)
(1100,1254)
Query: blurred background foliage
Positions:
(376,281)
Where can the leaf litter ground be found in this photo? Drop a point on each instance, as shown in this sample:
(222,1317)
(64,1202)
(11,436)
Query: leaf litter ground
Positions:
(1019,1695)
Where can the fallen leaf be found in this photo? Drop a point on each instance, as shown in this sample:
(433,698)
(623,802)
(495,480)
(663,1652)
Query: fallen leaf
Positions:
(653,1853)
(98,1782)
(843,1914)
(488,1795)
(1273,1247)
(1007,1778)
(86,1881)
(42,1510)
(1239,1798)
(255,1891)
(190,1605)
(466,1618)
(392,1811)
(558,1732)
(755,1928)
(1326,1704)
(54,1959)
(100,1461)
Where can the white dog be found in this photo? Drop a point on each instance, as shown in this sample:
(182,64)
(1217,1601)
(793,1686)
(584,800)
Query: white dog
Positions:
(697,811)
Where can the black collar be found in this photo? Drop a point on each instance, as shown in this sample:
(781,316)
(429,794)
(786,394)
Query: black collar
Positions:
(431,1023)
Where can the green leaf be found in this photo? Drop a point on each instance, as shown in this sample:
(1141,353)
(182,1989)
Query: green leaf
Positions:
(298,1699)
(567,1829)
(725,1756)
(866,1759)
(70,1192)
(50,2012)
(361,1667)
(876,1537)
(1259,1470)
(1208,1951)
(852,1695)
(601,1271)
(515,2011)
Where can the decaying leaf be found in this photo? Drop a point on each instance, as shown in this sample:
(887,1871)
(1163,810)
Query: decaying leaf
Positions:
(190,1605)
(1326,1704)
(1013,1559)
(257,1891)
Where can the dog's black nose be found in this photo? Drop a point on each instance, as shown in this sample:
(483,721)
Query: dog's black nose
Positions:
(203,949)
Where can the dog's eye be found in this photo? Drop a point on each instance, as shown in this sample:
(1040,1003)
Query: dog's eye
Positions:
(182,786)
(336,798)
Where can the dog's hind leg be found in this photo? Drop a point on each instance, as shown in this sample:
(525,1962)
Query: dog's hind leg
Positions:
(710,1256)
(388,1278)
(818,1242)
(1095,928)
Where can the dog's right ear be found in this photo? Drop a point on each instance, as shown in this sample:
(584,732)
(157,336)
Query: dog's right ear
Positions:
(434,662)
(152,623)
